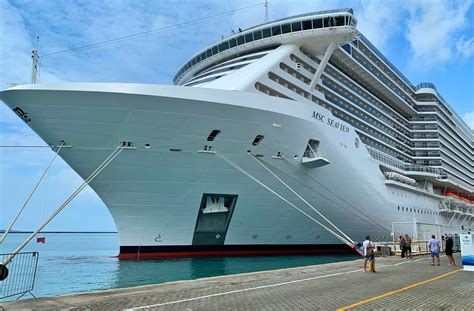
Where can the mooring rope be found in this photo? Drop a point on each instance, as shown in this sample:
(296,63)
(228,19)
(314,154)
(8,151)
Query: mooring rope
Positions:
(301,198)
(30,195)
(96,172)
(237,167)
(341,204)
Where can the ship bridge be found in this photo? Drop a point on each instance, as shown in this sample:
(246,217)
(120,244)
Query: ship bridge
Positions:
(313,31)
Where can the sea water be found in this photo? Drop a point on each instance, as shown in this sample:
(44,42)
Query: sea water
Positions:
(83,262)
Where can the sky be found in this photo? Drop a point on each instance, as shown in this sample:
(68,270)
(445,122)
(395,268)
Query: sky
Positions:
(428,41)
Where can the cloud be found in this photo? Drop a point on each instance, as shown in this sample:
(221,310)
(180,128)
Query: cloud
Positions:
(465,47)
(431,29)
(379,20)
(468,117)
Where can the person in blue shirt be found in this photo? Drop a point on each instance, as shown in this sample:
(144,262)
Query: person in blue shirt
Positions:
(434,247)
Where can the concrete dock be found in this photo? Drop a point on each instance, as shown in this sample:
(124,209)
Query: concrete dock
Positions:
(398,284)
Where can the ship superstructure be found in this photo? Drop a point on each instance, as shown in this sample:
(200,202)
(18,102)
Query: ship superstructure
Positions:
(308,100)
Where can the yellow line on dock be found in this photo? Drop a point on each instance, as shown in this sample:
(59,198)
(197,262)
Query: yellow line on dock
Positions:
(396,291)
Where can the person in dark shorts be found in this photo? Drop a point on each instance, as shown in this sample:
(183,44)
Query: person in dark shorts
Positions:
(403,246)
(368,247)
(408,245)
(449,250)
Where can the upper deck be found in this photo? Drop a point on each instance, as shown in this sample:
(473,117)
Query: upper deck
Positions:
(328,26)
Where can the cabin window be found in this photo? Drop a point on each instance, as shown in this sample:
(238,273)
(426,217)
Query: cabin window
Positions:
(223,46)
(213,135)
(317,23)
(257,34)
(276,30)
(339,21)
(285,28)
(307,25)
(248,38)
(214,50)
(266,33)
(240,40)
(233,43)
(296,26)
(208,53)
(257,140)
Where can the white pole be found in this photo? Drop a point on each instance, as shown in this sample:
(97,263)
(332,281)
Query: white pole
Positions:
(266,11)
(331,47)
(34,68)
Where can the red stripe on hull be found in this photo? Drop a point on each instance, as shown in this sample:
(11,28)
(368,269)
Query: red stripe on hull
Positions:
(229,253)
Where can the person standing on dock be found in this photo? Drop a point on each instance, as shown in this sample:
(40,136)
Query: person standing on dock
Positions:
(408,245)
(449,250)
(403,246)
(434,247)
(367,246)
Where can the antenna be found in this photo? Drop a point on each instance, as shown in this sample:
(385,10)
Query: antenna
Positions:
(266,11)
(34,66)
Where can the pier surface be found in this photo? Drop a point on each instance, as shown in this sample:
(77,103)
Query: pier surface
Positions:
(398,284)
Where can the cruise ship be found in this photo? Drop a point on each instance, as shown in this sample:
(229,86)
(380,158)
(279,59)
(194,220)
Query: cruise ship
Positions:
(293,136)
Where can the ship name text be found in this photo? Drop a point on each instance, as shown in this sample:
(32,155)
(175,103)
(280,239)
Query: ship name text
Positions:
(329,121)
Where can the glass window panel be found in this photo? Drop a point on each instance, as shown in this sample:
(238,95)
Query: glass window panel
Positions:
(276,30)
(248,38)
(317,23)
(307,25)
(214,50)
(327,22)
(223,46)
(257,35)
(340,21)
(208,52)
(296,26)
(240,40)
(193,62)
(203,55)
(266,33)
(285,28)
(233,42)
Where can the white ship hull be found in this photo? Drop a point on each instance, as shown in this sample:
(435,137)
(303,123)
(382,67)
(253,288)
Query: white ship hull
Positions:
(155,195)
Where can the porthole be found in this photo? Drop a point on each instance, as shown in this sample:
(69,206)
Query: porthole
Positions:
(257,140)
(213,135)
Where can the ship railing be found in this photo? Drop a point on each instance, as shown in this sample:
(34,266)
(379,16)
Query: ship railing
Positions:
(407,167)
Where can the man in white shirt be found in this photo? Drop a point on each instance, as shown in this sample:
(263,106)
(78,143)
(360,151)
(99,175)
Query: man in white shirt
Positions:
(366,243)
